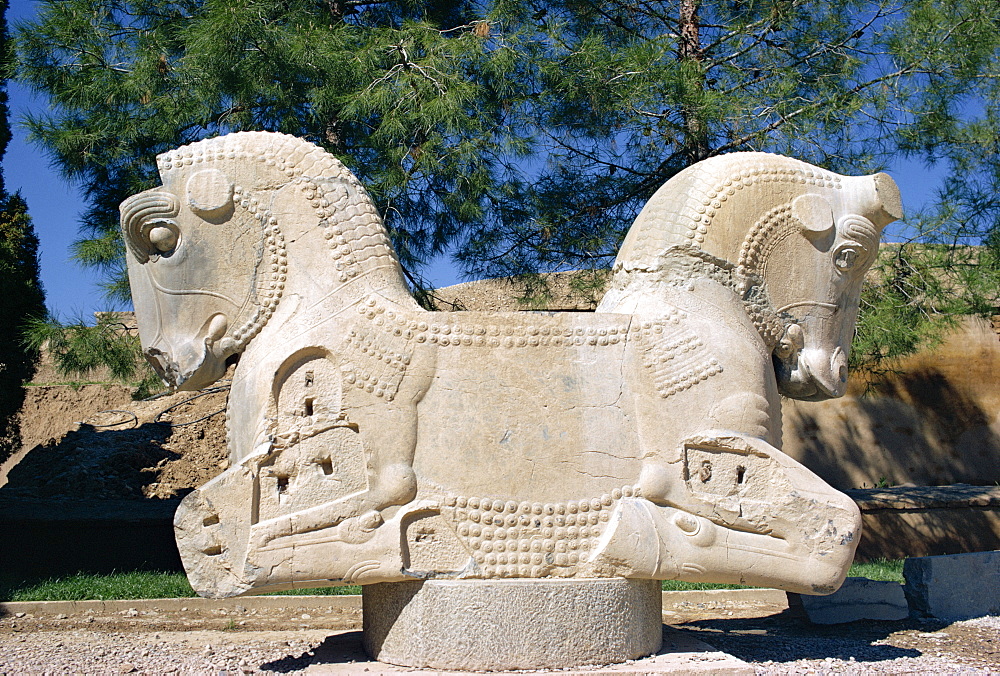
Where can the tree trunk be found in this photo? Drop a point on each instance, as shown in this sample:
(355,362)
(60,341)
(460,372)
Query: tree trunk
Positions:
(695,142)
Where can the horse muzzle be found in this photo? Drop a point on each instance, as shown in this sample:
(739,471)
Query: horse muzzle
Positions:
(190,371)
(813,374)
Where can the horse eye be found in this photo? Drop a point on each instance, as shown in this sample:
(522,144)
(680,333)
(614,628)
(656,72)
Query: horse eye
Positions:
(846,258)
(162,238)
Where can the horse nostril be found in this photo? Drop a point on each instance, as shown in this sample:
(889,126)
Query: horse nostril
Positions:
(838,364)
(160,362)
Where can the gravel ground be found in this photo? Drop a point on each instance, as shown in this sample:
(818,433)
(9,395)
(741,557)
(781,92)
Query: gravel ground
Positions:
(774,643)
(778,645)
(197,652)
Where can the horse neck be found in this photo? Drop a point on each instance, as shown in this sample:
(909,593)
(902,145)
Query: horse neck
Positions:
(696,282)
(331,267)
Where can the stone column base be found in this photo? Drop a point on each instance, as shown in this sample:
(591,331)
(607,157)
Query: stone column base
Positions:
(512,623)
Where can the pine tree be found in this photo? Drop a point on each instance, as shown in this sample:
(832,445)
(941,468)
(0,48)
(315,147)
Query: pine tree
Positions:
(409,95)
(525,135)
(21,297)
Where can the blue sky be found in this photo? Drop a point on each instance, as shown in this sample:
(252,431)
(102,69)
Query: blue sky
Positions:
(55,205)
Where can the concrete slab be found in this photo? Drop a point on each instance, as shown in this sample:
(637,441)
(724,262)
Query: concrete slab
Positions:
(673,602)
(681,654)
(956,587)
(858,599)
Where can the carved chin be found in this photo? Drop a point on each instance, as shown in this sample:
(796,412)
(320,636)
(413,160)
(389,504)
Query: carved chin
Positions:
(193,373)
(798,380)
(801,389)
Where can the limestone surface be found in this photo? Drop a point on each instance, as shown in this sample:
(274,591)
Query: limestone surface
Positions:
(372,441)
(484,625)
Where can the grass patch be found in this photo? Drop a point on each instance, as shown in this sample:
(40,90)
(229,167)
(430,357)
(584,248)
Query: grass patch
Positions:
(677,585)
(77,384)
(126,586)
(152,585)
(343,590)
(85,587)
(879,569)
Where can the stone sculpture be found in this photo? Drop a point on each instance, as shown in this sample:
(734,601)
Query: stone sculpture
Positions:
(372,441)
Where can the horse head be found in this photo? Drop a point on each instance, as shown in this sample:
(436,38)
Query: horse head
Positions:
(793,240)
(207,255)
(813,279)
(187,312)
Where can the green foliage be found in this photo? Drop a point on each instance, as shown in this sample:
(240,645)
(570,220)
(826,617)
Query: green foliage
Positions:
(21,296)
(153,585)
(410,95)
(677,585)
(125,585)
(21,301)
(79,349)
(883,570)
(915,293)
(343,590)
(523,136)
(84,586)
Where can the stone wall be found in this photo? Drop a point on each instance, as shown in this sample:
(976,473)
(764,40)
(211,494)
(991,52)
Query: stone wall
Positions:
(936,422)
(927,521)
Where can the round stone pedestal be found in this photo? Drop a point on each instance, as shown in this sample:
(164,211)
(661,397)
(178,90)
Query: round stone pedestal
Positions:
(512,623)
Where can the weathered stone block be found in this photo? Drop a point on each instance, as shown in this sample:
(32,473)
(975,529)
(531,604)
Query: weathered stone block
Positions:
(512,624)
(858,599)
(959,586)
(909,521)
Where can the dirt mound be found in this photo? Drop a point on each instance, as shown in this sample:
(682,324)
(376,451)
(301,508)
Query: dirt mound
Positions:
(50,411)
(94,442)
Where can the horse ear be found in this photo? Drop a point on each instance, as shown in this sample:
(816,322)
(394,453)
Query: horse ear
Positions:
(815,213)
(138,211)
(889,200)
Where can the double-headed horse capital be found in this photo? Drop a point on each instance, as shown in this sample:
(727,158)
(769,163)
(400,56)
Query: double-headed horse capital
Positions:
(374,441)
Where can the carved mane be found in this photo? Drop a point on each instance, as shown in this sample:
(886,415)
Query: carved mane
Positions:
(702,205)
(696,225)
(214,176)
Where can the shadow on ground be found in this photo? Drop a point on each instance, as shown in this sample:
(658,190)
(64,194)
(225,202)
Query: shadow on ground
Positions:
(78,505)
(781,638)
(343,648)
(787,637)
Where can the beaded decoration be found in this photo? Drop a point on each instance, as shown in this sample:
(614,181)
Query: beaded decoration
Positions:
(531,539)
